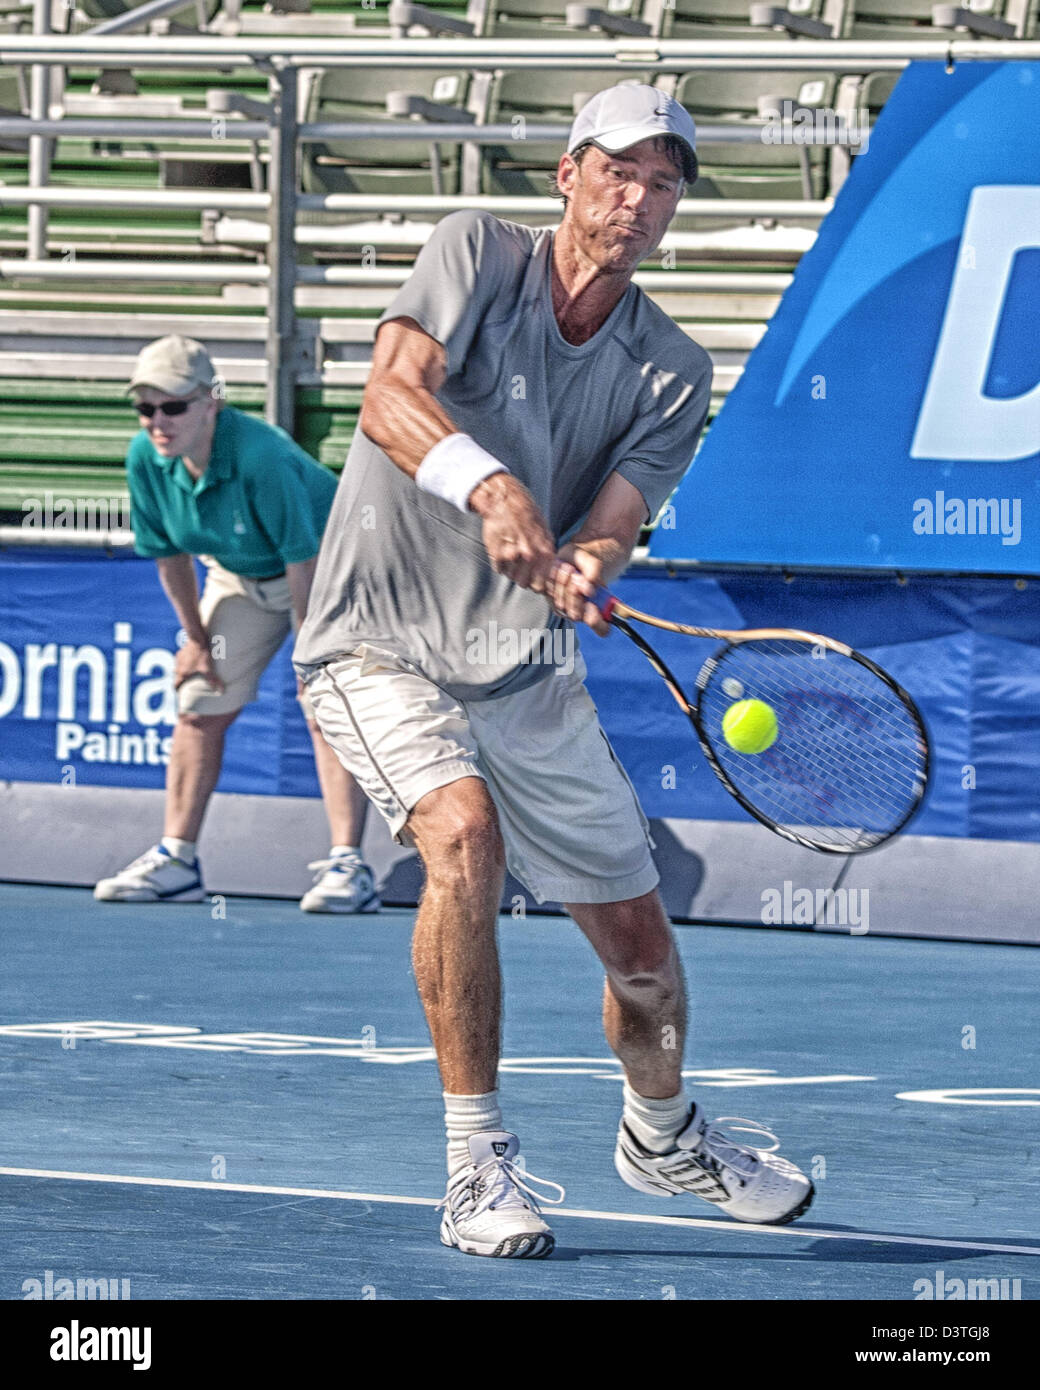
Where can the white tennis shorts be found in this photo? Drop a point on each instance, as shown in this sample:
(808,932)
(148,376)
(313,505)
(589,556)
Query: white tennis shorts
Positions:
(573,828)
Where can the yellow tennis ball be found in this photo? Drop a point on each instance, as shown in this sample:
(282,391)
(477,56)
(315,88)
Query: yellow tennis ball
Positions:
(749,726)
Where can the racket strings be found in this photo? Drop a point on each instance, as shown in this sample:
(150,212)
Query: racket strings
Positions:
(847,766)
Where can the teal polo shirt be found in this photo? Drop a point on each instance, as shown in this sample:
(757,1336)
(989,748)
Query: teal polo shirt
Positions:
(261,504)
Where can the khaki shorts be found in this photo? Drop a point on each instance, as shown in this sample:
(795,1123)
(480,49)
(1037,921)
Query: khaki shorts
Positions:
(247,621)
(573,829)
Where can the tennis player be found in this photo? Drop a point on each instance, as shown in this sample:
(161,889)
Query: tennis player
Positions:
(529,409)
(206,479)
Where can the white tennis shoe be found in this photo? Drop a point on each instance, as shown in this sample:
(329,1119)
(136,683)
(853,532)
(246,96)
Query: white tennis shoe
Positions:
(343,883)
(490,1207)
(747,1181)
(154,877)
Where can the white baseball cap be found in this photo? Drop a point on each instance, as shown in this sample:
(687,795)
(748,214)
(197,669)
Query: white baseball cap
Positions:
(623,115)
(176,365)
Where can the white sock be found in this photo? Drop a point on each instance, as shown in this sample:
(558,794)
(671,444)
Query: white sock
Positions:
(466,1115)
(180,849)
(655,1123)
(337,850)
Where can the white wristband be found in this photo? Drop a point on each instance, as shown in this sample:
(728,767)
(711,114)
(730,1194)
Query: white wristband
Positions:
(454,467)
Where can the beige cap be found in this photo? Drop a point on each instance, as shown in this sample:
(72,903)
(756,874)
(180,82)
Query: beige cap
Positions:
(175,364)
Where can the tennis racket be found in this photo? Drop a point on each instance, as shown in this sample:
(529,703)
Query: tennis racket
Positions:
(849,766)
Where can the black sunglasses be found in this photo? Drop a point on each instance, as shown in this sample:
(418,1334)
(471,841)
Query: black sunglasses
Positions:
(170,408)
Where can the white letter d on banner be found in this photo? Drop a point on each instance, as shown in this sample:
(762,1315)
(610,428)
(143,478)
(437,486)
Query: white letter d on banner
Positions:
(957,421)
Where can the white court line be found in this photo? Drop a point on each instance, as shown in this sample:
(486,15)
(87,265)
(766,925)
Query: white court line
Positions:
(687,1222)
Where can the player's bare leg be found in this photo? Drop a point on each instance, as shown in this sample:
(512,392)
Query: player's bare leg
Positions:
(489,1207)
(194,770)
(664,1146)
(454,951)
(644,1000)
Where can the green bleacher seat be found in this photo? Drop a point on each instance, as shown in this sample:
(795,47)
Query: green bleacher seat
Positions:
(908,19)
(759,169)
(872,91)
(16,17)
(723,19)
(307,18)
(158,161)
(555,19)
(12,103)
(382,166)
(195,13)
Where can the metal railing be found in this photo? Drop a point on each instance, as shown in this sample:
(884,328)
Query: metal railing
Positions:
(237,200)
(512,55)
(282,59)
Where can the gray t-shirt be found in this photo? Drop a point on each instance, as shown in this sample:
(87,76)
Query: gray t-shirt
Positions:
(405,571)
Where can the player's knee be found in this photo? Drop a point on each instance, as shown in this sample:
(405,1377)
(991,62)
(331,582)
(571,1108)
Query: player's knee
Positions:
(472,843)
(456,830)
(646,968)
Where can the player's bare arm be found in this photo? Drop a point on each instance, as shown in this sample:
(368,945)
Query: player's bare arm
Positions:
(400,411)
(401,414)
(599,552)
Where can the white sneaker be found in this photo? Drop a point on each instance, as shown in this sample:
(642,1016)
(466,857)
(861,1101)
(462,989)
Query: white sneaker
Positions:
(747,1181)
(489,1207)
(155,877)
(341,884)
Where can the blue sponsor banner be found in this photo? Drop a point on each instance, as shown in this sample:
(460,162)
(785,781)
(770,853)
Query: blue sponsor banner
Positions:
(890,417)
(967,649)
(86,691)
(87,647)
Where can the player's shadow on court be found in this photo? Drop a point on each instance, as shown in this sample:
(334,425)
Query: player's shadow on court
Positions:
(682,872)
(583,1252)
(817,1251)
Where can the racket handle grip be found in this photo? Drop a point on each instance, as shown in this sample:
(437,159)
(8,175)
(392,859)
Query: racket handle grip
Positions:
(605,601)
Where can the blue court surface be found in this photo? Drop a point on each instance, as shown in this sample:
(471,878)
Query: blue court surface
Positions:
(235,1100)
